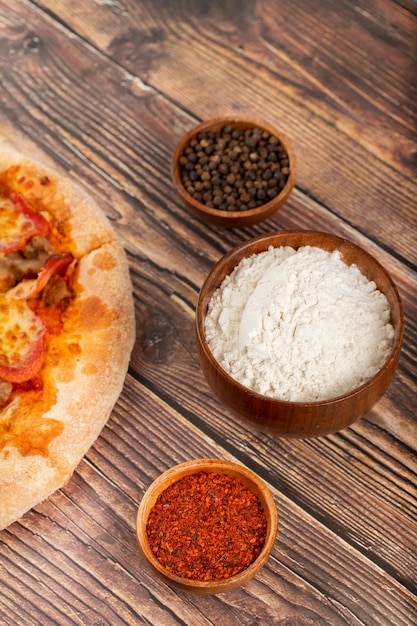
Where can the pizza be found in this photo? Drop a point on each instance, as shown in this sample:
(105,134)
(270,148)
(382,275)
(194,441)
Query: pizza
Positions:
(66,329)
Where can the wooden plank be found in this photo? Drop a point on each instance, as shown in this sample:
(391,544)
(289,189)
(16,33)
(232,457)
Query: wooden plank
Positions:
(348,109)
(346,502)
(92,544)
(161,332)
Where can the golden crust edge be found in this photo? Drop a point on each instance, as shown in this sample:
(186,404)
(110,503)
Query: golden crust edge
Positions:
(90,227)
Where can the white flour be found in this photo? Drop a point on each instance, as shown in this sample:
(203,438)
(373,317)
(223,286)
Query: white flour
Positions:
(299,325)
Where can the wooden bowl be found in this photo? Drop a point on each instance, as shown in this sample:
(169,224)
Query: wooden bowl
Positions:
(299,419)
(220,217)
(247,478)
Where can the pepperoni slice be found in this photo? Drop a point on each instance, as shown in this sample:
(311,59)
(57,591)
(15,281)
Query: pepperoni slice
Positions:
(28,288)
(18,223)
(22,339)
(56,264)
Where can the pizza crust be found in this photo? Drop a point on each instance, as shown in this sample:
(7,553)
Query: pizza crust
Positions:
(72,207)
(101,327)
(86,364)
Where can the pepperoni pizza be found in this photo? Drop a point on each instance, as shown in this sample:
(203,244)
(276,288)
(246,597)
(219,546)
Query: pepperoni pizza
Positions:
(66,329)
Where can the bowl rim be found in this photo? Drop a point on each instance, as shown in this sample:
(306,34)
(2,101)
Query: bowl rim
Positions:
(175,473)
(223,120)
(200,315)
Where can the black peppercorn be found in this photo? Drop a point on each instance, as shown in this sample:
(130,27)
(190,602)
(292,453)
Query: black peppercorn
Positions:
(233,169)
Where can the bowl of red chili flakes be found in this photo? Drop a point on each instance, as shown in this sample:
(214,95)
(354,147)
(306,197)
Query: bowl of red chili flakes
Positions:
(207,525)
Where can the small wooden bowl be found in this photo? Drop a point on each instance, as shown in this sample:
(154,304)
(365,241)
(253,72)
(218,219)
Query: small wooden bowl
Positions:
(299,419)
(232,219)
(246,477)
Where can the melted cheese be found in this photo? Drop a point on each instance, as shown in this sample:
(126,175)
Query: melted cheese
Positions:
(20,332)
(13,223)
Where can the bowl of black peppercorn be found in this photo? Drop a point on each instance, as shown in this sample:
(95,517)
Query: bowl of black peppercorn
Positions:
(233,171)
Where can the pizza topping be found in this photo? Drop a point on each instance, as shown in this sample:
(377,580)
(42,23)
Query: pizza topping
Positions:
(33,384)
(22,337)
(29,288)
(9,275)
(5,391)
(31,429)
(34,291)
(39,248)
(56,292)
(18,223)
(32,434)
(24,263)
(55,265)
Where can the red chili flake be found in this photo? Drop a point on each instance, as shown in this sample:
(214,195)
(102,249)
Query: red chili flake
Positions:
(206,526)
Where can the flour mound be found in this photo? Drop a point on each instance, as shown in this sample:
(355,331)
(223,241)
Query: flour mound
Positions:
(299,325)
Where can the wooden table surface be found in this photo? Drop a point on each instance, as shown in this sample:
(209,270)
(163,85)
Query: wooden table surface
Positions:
(104,89)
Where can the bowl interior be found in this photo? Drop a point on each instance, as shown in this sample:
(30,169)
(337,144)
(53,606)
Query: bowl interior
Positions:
(232,218)
(246,477)
(300,419)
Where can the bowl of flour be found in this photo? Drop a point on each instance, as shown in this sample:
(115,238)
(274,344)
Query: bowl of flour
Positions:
(299,332)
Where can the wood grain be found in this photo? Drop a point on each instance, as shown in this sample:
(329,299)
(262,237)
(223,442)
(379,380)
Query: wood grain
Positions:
(345,109)
(105,90)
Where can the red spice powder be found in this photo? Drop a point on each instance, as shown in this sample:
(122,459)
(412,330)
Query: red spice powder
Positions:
(206,526)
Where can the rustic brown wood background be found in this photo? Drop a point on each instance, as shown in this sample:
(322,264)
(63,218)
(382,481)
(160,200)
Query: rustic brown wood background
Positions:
(104,89)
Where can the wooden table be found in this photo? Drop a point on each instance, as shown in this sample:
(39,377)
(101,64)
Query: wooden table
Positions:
(105,89)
